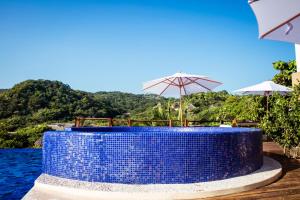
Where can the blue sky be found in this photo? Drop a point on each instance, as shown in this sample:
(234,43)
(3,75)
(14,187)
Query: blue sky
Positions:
(115,45)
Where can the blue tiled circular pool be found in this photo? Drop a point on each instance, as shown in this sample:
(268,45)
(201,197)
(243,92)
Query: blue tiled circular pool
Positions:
(152,155)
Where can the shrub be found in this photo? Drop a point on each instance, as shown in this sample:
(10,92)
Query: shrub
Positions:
(282,123)
(22,138)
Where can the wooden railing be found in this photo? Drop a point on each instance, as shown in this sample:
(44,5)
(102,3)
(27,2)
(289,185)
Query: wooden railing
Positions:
(79,121)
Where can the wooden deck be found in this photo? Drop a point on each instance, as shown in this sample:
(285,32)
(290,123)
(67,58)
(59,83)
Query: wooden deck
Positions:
(287,187)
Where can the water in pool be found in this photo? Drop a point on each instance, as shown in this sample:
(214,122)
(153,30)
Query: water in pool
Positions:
(19,168)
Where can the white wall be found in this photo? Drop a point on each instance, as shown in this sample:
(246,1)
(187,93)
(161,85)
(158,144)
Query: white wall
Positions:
(297,47)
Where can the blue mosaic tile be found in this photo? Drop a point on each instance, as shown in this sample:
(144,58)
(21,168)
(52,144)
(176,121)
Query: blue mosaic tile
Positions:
(149,155)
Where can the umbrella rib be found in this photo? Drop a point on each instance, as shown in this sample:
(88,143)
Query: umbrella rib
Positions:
(168,85)
(197,78)
(171,82)
(194,81)
(155,84)
(191,81)
(163,81)
(252,1)
(280,25)
(182,84)
(187,82)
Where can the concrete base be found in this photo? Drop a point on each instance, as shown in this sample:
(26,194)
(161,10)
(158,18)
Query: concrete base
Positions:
(296,78)
(48,187)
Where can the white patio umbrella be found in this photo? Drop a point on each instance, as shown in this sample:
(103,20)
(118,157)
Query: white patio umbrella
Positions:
(180,84)
(265,88)
(279,20)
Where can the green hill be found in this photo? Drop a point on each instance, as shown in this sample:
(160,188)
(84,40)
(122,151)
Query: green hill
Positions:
(37,101)
(130,104)
(28,106)
(44,100)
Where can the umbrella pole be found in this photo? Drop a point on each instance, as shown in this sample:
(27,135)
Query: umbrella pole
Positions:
(181,110)
(267,105)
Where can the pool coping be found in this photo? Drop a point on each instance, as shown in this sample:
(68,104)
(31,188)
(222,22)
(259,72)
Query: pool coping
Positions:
(50,187)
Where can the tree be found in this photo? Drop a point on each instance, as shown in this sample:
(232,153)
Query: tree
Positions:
(282,123)
(284,77)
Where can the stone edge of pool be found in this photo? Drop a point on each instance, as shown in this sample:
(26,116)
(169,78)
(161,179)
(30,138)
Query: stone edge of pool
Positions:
(49,187)
(147,129)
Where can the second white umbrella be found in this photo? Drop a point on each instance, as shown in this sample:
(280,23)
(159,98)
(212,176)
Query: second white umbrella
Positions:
(265,88)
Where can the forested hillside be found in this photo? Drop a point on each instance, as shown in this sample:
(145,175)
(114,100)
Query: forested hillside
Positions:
(32,103)
(44,100)
(129,104)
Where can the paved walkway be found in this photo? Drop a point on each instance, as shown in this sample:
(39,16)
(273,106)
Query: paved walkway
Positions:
(287,187)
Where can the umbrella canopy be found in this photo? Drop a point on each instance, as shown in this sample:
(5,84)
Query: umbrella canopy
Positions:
(278,19)
(180,84)
(265,88)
